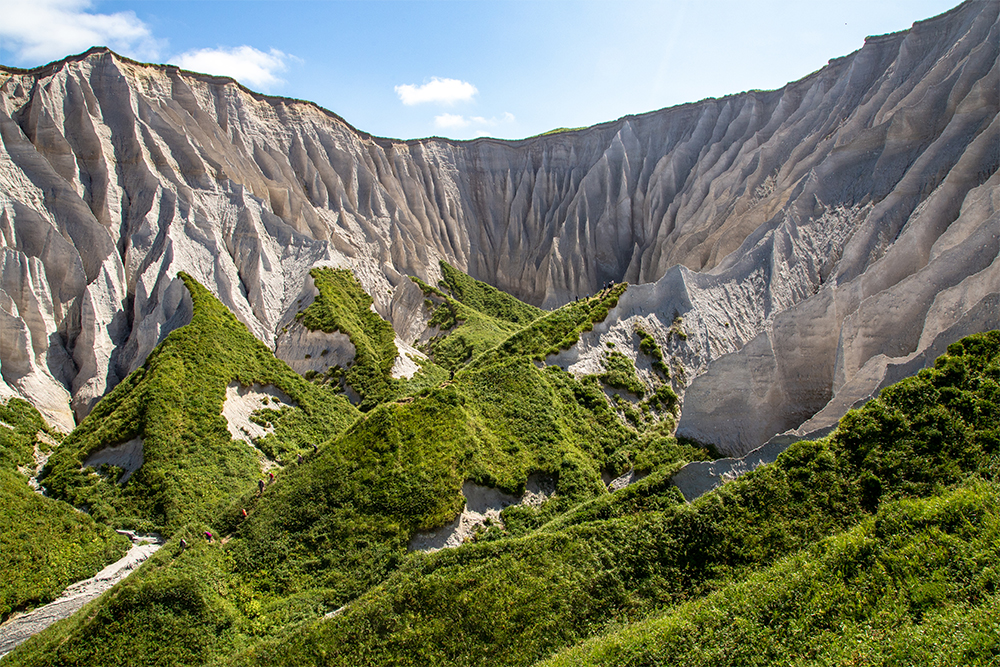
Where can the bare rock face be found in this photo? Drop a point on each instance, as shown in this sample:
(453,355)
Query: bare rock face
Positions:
(813,240)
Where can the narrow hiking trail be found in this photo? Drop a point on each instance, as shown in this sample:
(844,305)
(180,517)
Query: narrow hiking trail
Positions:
(18,629)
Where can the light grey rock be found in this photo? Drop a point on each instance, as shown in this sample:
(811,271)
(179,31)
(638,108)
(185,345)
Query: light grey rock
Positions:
(801,234)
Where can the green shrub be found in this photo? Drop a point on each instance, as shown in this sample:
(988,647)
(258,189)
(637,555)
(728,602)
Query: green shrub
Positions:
(45,545)
(193,468)
(619,560)
(619,373)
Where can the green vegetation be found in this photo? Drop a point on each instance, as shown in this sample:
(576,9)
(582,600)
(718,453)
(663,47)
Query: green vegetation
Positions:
(485,298)
(619,373)
(558,130)
(332,528)
(885,530)
(44,544)
(342,305)
(648,346)
(193,470)
(561,584)
(557,330)
(465,331)
(913,585)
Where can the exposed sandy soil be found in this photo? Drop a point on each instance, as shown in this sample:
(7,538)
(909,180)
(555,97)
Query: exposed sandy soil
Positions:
(482,503)
(19,628)
(241,402)
(127,456)
(623,480)
(406,365)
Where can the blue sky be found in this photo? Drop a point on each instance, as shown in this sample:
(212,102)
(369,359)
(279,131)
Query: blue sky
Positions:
(462,69)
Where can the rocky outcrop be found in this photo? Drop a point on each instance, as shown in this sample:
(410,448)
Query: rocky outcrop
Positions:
(788,229)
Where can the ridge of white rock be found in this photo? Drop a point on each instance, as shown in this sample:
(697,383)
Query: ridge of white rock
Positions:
(799,233)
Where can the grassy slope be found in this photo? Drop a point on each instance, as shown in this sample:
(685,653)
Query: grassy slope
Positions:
(329,529)
(193,469)
(465,331)
(340,523)
(913,585)
(485,298)
(44,544)
(342,305)
(555,587)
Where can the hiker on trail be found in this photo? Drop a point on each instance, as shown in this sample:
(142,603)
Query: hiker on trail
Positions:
(315,449)
(300,459)
(208,536)
(244,511)
(184,544)
(270,477)
(260,487)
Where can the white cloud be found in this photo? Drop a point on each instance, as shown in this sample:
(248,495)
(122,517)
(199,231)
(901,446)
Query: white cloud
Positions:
(38,31)
(450,121)
(244,63)
(444,91)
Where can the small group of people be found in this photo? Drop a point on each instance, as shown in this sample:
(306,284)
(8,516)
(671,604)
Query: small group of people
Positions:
(270,475)
(607,286)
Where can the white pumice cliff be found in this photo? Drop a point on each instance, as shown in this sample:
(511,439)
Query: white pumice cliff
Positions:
(816,242)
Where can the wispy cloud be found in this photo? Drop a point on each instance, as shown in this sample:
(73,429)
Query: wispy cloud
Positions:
(443,91)
(450,121)
(244,63)
(42,30)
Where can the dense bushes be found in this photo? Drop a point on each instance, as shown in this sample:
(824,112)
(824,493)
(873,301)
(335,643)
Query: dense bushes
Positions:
(342,305)
(638,572)
(621,560)
(619,373)
(44,544)
(192,469)
(915,585)
(486,298)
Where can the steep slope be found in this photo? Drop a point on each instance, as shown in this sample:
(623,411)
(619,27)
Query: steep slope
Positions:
(618,559)
(275,590)
(905,587)
(160,451)
(115,175)
(44,544)
(343,518)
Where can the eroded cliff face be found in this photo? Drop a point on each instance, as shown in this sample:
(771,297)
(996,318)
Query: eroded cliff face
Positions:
(807,237)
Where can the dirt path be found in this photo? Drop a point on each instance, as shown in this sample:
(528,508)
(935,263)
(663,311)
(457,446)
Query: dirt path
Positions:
(19,628)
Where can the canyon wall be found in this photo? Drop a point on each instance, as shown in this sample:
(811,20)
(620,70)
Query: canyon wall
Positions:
(813,240)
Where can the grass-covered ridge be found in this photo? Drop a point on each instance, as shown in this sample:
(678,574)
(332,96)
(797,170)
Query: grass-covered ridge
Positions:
(915,469)
(556,330)
(44,544)
(333,527)
(465,332)
(193,470)
(516,601)
(485,298)
(343,305)
(913,585)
